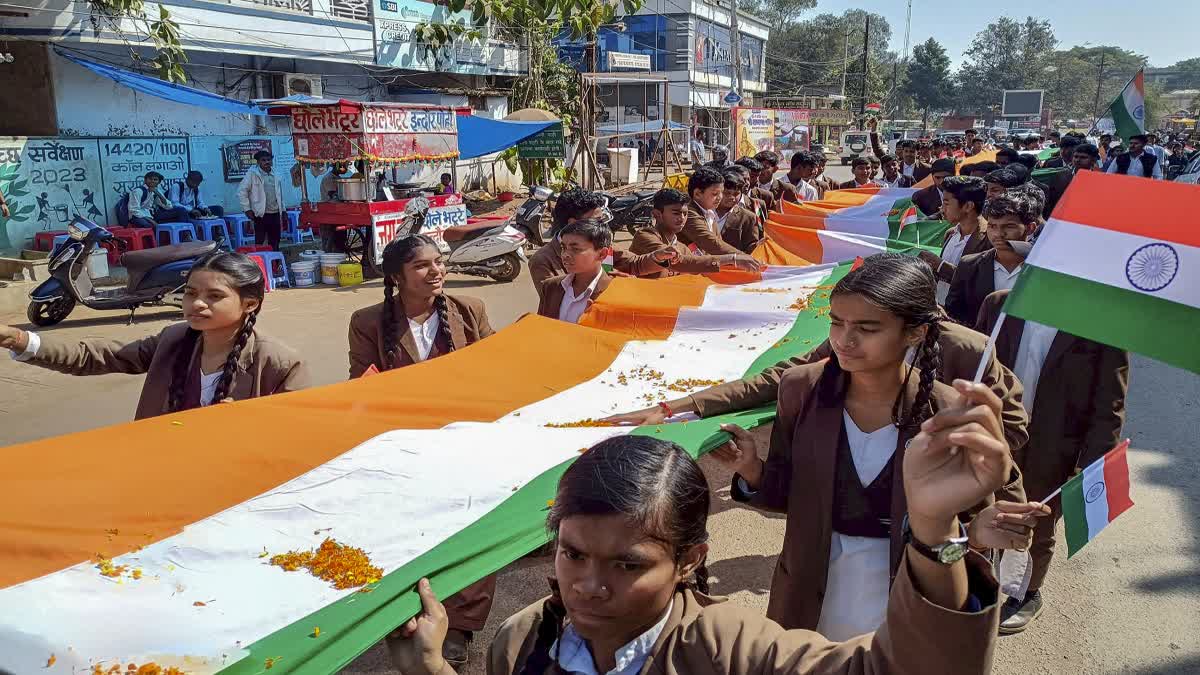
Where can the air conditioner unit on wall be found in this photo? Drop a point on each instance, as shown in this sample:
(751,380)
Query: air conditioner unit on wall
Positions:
(289,84)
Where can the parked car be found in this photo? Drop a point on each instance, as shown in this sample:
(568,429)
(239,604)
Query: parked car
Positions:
(854,143)
(1191,172)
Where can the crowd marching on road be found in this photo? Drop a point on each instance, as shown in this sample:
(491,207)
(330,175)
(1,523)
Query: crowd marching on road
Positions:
(903,477)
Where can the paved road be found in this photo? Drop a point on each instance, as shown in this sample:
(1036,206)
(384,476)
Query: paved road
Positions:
(1129,603)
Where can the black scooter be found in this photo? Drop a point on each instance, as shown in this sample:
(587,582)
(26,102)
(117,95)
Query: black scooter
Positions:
(154,274)
(528,218)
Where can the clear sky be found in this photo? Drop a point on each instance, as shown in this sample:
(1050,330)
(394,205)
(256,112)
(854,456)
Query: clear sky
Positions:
(1165,31)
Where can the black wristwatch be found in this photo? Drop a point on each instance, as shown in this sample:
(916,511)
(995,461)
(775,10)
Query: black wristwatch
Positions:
(947,552)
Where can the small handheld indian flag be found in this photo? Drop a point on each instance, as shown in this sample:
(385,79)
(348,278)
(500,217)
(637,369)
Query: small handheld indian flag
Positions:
(1094,498)
(608,263)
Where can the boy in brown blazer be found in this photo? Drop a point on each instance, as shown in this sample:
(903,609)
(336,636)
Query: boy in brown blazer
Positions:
(701,232)
(929,200)
(737,224)
(962,204)
(1011,217)
(1075,395)
(586,244)
(661,242)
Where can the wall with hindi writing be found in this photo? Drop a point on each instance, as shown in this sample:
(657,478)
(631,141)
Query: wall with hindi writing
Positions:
(208,158)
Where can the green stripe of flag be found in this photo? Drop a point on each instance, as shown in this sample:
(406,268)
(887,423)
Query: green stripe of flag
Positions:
(1129,320)
(1074,515)
(516,527)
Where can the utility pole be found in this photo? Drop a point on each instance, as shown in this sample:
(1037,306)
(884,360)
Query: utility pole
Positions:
(866,65)
(845,60)
(736,45)
(1099,84)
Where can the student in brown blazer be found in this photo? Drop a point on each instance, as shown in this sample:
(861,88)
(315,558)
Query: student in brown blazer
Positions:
(216,356)
(700,233)
(1011,217)
(629,521)
(570,206)
(861,168)
(1076,401)
(962,205)
(821,181)
(838,446)
(929,199)
(661,243)
(961,350)
(418,321)
(780,191)
(586,244)
(737,224)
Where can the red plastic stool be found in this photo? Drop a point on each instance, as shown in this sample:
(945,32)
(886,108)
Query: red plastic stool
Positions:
(254,249)
(114,248)
(134,238)
(44,241)
(262,265)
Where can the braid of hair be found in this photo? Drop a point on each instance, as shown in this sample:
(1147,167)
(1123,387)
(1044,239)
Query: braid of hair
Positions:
(388,321)
(440,304)
(931,368)
(225,384)
(179,371)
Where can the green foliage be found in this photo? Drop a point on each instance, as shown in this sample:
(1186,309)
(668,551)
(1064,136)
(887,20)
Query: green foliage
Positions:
(929,82)
(808,57)
(163,32)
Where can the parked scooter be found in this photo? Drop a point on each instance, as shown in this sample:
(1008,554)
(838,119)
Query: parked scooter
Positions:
(485,249)
(528,218)
(631,211)
(154,274)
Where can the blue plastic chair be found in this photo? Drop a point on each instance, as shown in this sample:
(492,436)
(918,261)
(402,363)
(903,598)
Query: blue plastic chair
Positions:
(212,229)
(269,259)
(174,233)
(294,233)
(241,229)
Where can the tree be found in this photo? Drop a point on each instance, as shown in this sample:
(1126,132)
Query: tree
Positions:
(929,82)
(1008,54)
(169,56)
(810,56)
(779,13)
(1184,75)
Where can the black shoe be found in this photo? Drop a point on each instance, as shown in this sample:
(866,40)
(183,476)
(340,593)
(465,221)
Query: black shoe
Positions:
(1016,617)
(454,649)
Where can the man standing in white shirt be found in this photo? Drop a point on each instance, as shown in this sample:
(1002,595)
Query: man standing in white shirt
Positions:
(804,168)
(261,195)
(586,245)
(1137,162)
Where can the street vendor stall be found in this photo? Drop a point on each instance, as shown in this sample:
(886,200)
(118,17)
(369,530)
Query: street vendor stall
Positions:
(369,210)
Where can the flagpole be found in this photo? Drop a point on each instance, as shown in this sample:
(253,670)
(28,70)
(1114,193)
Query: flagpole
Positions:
(988,348)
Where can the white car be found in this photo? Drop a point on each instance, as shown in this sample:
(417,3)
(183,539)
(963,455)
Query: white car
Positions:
(854,143)
(1191,172)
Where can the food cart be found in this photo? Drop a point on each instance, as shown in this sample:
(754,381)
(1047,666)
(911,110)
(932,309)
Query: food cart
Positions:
(370,210)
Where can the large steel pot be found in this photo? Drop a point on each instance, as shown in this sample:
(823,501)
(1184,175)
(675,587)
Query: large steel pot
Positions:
(352,189)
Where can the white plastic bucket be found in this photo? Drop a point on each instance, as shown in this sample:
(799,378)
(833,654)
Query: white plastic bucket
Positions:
(329,267)
(304,272)
(311,256)
(97,263)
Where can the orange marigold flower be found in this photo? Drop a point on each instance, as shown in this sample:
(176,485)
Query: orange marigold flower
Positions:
(341,565)
(50,661)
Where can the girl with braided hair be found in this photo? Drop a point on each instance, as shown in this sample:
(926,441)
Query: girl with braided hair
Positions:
(629,524)
(417,320)
(216,356)
(834,465)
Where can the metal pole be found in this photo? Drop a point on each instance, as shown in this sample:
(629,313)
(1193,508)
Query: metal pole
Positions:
(845,59)
(866,66)
(1099,83)
(736,44)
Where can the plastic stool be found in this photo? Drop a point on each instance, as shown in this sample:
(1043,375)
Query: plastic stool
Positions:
(262,265)
(241,229)
(253,248)
(138,238)
(174,233)
(270,258)
(114,248)
(44,241)
(212,229)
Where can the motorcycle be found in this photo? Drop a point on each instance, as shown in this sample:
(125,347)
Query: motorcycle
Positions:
(528,218)
(153,275)
(494,249)
(631,211)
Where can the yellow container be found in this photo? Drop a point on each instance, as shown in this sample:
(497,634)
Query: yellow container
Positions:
(678,181)
(349,274)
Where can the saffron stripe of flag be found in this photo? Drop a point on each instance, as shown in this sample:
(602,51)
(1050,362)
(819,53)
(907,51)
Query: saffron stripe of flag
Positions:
(1094,498)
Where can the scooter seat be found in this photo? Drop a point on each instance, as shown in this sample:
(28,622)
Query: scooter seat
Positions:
(139,263)
(469,231)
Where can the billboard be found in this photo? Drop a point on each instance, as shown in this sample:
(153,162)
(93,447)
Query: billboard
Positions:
(754,131)
(1022,103)
(791,132)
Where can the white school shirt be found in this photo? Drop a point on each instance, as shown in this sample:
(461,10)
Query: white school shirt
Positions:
(573,306)
(1002,278)
(1036,339)
(806,192)
(573,655)
(424,334)
(859,579)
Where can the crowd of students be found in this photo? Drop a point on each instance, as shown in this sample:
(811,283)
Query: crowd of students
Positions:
(891,532)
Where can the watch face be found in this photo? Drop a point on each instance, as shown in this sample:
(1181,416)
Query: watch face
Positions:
(952,552)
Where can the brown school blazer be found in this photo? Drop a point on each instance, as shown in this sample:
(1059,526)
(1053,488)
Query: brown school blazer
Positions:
(961,350)
(1080,404)
(552,293)
(798,480)
(467,317)
(696,231)
(710,636)
(741,229)
(976,243)
(265,366)
(928,200)
(973,281)
(547,262)
(649,241)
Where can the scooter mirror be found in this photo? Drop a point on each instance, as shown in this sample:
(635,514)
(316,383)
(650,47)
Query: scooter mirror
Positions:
(79,228)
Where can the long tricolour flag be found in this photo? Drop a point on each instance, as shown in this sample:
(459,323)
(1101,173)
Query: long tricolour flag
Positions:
(443,469)
(847,224)
(1129,109)
(1119,263)
(1094,498)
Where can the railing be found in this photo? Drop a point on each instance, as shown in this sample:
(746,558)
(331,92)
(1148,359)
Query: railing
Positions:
(354,10)
(304,6)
